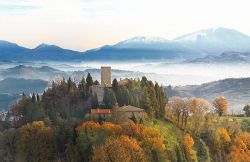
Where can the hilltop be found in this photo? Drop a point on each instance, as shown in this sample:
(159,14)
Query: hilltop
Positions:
(237,91)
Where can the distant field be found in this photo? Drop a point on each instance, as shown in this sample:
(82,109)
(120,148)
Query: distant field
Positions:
(232,118)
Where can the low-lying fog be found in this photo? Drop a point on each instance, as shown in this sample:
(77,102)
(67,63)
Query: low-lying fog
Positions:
(165,73)
(176,74)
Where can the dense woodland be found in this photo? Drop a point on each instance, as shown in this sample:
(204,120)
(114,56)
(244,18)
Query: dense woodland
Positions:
(53,127)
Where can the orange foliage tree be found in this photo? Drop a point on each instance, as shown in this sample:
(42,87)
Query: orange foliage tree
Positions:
(188,143)
(122,148)
(224,135)
(240,148)
(145,140)
(221,105)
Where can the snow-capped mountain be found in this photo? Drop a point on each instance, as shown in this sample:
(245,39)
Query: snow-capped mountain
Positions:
(139,48)
(216,40)
(141,42)
(212,41)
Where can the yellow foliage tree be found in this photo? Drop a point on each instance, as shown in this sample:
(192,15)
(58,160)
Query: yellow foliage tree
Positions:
(36,142)
(221,105)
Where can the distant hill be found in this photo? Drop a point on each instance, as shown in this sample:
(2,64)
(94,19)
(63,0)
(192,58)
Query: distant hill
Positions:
(225,57)
(17,86)
(237,91)
(190,46)
(29,72)
(48,73)
(12,88)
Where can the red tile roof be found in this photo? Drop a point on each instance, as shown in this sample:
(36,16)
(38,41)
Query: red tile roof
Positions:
(101,111)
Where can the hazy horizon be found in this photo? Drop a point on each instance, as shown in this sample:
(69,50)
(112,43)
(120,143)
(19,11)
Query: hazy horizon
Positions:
(86,24)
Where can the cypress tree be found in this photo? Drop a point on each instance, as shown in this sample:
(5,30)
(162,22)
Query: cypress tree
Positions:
(89,83)
(115,85)
(82,88)
(37,97)
(33,98)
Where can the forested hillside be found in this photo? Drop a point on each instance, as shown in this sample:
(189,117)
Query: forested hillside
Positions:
(55,127)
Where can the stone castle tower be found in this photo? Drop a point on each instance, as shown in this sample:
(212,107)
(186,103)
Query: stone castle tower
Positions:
(106,76)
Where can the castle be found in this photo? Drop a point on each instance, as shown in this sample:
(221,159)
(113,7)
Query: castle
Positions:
(119,114)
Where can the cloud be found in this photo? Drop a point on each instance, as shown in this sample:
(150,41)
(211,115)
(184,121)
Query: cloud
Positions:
(12,7)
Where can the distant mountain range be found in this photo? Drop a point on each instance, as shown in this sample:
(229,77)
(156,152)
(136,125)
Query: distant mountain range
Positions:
(225,57)
(237,91)
(194,45)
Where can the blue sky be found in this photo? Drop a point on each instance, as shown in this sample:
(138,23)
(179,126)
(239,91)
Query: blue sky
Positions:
(85,24)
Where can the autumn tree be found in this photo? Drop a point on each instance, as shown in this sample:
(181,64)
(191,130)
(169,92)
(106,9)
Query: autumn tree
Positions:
(188,143)
(35,142)
(87,135)
(123,148)
(176,108)
(221,105)
(224,135)
(240,148)
(8,143)
(198,107)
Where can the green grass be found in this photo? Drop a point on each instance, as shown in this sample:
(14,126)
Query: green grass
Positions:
(172,134)
(233,118)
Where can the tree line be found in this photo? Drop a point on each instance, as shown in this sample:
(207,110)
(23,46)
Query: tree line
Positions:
(219,137)
(52,126)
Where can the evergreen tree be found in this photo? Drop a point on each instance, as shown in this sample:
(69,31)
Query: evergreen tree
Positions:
(82,88)
(89,80)
(70,83)
(33,98)
(96,82)
(94,101)
(144,81)
(115,85)
(146,104)
(38,98)
(89,83)
(153,100)
(109,98)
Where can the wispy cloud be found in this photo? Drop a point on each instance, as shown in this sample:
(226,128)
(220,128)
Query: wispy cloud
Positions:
(9,8)
(14,6)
